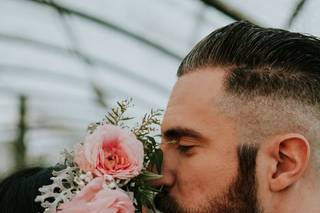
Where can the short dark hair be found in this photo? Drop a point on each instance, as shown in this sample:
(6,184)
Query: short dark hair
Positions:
(261,61)
(18,191)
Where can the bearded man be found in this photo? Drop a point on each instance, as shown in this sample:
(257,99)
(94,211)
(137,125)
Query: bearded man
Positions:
(241,132)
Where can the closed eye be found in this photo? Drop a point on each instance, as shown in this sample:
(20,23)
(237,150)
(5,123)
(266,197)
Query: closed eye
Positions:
(184,149)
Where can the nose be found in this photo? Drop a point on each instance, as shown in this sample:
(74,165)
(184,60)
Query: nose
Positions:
(168,168)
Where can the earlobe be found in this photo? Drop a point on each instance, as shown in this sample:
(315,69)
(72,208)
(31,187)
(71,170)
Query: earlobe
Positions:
(291,153)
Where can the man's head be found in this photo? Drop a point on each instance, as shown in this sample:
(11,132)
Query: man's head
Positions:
(242,128)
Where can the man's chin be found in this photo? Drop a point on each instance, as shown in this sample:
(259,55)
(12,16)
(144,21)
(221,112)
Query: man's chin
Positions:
(168,204)
(165,203)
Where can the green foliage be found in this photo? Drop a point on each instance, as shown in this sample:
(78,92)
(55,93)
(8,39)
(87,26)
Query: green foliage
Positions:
(145,131)
(115,117)
(149,124)
(144,193)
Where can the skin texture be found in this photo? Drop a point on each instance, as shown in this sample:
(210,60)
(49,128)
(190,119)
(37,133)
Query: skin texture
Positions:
(196,177)
(211,164)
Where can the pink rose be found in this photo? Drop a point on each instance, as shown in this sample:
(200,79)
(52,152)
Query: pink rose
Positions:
(110,150)
(93,198)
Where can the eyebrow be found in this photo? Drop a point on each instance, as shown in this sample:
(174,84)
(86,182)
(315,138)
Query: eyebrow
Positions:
(178,132)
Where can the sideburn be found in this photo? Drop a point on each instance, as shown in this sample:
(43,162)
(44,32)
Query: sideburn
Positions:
(242,195)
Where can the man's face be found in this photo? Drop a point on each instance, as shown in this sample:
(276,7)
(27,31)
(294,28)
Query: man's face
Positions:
(201,151)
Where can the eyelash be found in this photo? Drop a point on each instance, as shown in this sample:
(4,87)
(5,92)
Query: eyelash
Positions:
(184,149)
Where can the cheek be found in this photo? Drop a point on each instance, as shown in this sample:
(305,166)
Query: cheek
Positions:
(208,172)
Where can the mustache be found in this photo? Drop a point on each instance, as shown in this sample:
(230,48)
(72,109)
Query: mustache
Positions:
(165,203)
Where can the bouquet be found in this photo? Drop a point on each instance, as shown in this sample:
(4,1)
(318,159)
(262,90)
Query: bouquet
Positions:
(110,171)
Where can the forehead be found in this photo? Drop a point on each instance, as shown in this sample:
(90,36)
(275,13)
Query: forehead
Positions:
(192,101)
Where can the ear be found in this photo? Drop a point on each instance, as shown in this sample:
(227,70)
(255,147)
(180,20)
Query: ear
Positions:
(290,154)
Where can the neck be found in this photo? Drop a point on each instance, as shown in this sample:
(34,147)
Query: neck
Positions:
(299,198)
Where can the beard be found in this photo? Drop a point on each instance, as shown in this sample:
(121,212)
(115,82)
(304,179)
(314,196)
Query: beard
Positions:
(239,197)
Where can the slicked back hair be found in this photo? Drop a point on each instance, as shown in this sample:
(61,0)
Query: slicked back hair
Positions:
(272,79)
(263,61)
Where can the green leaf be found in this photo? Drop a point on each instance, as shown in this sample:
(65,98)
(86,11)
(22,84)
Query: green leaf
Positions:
(146,175)
(112,115)
(157,159)
(127,118)
(152,140)
(111,121)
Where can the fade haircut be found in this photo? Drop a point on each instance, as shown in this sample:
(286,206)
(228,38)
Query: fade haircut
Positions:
(272,81)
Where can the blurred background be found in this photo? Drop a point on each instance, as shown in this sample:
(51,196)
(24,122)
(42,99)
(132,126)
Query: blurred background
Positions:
(64,63)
